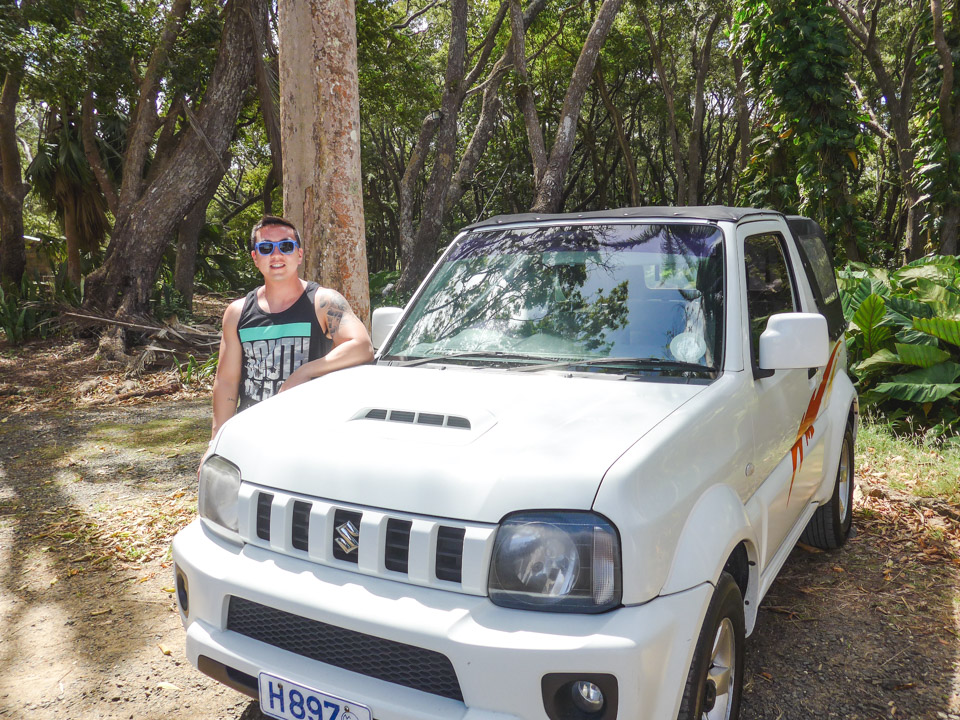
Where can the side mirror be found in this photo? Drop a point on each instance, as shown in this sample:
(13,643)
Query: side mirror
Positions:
(794,340)
(382,324)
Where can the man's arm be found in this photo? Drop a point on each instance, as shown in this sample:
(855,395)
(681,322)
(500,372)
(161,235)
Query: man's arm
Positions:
(226,384)
(351,342)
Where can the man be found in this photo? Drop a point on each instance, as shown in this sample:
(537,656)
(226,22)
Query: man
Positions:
(285,332)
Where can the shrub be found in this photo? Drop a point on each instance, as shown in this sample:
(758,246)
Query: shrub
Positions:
(903,343)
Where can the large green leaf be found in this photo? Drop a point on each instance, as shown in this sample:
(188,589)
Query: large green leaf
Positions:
(881,358)
(903,310)
(949,307)
(930,292)
(946,262)
(923,386)
(944,328)
(868,287)
(909,336)
(868,318)
(910,276)
(870,312)
(922,356)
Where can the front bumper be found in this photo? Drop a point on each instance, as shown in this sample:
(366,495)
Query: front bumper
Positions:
(499,655)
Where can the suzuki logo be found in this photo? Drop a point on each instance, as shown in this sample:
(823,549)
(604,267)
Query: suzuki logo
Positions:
(348,538)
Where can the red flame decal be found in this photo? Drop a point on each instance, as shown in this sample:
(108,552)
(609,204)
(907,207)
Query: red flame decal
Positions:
(806,430)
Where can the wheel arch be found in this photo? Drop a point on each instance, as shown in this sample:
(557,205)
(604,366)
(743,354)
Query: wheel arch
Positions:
(716,537)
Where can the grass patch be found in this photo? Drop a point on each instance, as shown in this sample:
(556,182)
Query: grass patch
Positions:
(160,436)
(904,463)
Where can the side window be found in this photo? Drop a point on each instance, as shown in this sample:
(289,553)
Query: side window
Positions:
(769,287)
(823,281)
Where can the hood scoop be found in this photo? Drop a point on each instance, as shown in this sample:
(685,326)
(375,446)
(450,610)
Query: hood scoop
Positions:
(413,417)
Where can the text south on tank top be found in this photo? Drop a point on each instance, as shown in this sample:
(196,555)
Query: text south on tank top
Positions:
(276,344)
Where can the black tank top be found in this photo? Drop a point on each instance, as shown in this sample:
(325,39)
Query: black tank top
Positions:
(276,344)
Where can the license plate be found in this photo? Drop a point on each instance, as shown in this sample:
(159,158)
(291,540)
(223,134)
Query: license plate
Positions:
(287,700)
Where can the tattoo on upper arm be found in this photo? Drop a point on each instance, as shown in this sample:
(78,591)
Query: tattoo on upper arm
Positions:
(336,309)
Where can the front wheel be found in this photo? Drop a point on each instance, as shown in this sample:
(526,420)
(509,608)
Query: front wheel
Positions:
(830,525)
(715,680)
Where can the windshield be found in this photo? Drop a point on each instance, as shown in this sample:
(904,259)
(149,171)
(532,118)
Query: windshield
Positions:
(576,292)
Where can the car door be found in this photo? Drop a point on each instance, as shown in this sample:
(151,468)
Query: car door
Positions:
(780,398)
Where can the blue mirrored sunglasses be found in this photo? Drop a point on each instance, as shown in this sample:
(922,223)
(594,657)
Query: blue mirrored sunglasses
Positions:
(286,246)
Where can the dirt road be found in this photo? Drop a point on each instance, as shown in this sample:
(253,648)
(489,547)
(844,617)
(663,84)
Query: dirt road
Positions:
(90,497)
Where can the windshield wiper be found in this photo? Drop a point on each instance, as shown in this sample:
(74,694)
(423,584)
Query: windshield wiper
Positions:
(647,363)
(475,354)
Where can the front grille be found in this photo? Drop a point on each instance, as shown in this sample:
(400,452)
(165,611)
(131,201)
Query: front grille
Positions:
(300,533)
(397,550)
(418,550)
(387,660)
(450,553)
(264,505)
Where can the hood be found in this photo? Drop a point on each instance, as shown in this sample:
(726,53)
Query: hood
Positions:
(465,443)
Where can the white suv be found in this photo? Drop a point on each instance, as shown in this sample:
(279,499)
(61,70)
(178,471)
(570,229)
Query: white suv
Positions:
(584,452)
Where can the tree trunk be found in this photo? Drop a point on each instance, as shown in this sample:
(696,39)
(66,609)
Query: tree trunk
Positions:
(622,139)
(88,136)
(948,105)
(72,234)
(949,226)
(445,187)
(320,127)
(415,165)
(668,97)
(897,104)
(550,191)
(418,254)
(525,99)
(188,239)
(743,113)
(144,123)
(695,175)
(145,225)
(13,190)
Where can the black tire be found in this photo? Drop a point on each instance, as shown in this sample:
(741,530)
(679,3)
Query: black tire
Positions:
(830,525)
(715,680)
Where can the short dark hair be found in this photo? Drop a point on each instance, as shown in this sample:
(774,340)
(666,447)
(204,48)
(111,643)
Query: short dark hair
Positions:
(271,220)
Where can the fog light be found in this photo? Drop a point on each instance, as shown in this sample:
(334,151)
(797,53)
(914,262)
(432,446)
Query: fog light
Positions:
(580,696)
(587,696)
(183,597)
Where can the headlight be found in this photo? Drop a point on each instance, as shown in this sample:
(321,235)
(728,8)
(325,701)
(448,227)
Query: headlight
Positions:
(556,561)
(219,490)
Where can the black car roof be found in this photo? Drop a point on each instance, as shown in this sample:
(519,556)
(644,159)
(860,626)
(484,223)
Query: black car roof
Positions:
(695,212)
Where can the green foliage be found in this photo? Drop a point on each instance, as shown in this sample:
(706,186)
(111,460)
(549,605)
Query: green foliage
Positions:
(938,170)
(903,342)
(193,370)
(23,313)
(382,292)
(167,301)
(807,157)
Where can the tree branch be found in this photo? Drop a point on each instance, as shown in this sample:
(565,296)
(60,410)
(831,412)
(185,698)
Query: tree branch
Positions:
(89,138)
(144,121)
(406,23)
